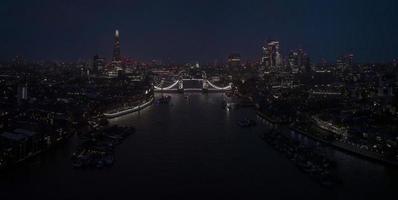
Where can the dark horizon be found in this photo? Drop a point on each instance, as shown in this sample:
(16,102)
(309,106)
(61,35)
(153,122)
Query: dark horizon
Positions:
(203,31)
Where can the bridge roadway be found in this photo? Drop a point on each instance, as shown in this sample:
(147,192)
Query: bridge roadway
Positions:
(178,86)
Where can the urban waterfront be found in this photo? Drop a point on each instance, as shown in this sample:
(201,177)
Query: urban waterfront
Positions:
(199,99)
(193,148)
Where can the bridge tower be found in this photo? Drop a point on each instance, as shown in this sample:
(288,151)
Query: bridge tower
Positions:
(181,85)
(205,85)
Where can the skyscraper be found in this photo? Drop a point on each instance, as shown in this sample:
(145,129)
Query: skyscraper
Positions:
(116,49)
(299,61)
(271,55)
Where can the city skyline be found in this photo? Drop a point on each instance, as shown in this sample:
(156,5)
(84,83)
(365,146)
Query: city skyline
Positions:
(192,31)
(199,99)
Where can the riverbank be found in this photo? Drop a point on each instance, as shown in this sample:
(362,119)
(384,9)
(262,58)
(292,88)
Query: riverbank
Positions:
(373,156)
(5,164)
(370,155)
(129,110)
(96,149)
(308,159)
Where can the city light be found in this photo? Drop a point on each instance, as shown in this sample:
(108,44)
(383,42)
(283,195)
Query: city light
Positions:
(199,99)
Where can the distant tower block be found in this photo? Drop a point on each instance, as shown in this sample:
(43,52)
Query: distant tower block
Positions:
(116,48)
(271,55)
(234,60)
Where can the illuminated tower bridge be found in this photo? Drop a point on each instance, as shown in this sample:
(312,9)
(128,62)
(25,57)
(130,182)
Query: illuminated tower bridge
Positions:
(190,84)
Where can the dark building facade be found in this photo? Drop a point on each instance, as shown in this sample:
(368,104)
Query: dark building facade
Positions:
(234,61)
(98,64)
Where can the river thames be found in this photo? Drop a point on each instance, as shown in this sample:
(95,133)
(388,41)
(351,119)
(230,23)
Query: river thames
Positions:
(193,149)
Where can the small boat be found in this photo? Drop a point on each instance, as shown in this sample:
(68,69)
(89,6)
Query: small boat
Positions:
(77,164)
(244,123)
(247,123)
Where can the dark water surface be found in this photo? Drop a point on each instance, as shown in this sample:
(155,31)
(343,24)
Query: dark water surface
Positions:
(193,149)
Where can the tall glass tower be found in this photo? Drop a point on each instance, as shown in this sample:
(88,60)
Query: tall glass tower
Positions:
(116,48)
(271,55)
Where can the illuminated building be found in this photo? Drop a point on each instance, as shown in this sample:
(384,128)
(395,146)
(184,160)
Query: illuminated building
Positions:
(271,56)
(299,61)
(116,68)
(116,59)
(22,93)
(234,60)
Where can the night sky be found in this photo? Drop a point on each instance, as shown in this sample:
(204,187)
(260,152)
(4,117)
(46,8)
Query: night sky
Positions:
(198,30)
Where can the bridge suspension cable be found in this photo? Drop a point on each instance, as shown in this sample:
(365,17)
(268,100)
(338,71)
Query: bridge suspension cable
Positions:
(168,87)
(219,88)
